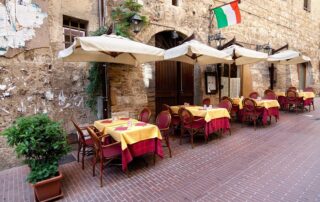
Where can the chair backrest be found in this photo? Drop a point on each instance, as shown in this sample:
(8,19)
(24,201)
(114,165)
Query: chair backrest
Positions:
(249,105)
(79,131)
(269,94)
(166,107)
(292,95)
(185,116)
(225,104)
(308,89)
(227,98)
(254,95)
(145,115)
(206,101)
(163,120)
(96,141)
(292,88)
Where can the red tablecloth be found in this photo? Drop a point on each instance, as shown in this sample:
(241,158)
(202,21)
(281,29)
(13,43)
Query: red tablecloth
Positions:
(274,111)
(217,124)
(139,149)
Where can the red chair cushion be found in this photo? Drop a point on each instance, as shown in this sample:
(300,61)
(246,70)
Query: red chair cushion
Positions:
(89,141)
(109,152)
(199,123)
(175,120)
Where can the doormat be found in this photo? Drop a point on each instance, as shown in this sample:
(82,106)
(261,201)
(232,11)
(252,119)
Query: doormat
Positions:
(67,159)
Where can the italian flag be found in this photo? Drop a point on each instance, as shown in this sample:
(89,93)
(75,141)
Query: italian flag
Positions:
(228,14)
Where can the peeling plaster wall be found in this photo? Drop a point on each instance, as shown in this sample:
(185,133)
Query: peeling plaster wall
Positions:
(18,21)
(34,80)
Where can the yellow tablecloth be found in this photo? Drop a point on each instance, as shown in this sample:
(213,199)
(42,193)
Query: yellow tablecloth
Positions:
(305,95)
(260,103)
(208,115)
(132,135)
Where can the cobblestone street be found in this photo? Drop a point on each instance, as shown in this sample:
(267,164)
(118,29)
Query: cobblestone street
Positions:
(278,162)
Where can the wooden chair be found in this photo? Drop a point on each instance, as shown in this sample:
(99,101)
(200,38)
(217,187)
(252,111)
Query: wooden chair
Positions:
(227,104)
(254,95)
(250,112)
(235,108)
(310,89)
(190,124)
(269,94)
(293,100)
(103,152)
(206,101)
(175,119)
(84,141)
(144,115)
(292,88)
(163,121)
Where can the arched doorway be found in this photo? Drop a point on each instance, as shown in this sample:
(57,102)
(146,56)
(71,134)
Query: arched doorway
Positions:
(174,80)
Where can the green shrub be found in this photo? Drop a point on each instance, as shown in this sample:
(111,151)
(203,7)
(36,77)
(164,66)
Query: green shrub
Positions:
(41,141)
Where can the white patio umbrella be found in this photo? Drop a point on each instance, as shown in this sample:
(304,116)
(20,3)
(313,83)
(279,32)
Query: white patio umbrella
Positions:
(288,57)
(112,49)
(193,52)
(243,56)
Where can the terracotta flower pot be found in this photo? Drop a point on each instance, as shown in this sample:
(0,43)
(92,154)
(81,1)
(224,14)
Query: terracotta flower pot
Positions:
(48,189)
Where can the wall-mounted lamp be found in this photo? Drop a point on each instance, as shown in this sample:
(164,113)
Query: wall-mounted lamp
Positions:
(265,48)
(218,37)
(174,34)
(137,23)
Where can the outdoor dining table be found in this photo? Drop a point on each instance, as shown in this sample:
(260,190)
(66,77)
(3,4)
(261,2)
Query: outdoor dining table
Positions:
(136,138)
(215,118)
(268,107)
(306,97)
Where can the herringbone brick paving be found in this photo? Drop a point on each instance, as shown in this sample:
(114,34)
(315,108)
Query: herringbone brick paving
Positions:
(277,163)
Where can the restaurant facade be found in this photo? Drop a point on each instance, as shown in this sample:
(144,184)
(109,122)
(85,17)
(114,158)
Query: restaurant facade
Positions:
(33,79)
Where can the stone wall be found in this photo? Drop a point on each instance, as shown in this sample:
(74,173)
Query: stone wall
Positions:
(276,22)
(33,80)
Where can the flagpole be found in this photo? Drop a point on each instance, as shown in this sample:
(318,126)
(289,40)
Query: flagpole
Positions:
(225,4)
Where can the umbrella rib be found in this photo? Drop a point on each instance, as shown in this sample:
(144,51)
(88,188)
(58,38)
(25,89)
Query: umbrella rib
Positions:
(132,56)
(112,54)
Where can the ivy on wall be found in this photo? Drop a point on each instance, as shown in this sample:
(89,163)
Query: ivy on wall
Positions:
(121,15)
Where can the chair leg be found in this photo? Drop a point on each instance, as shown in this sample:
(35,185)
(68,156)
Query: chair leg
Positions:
(192,140)
(168,145)
(94,165)
(154,158)
(79,149)
(181,134)
(83,153)
(254,124)
(230,131)
(101,171)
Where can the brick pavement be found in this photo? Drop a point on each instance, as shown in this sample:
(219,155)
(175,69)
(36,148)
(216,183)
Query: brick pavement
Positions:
(277,163)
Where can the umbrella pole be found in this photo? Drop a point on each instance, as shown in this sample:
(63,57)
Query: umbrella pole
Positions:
(105,90)
(229,80)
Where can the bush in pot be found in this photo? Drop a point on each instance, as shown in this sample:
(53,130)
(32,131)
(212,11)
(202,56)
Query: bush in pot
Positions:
(42,142)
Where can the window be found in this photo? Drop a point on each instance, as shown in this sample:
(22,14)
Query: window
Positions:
(73,27)
(175,2)
(307,5)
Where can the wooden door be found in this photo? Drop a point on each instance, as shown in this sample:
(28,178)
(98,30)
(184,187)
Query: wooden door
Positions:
(166,84)
(186,83)
(174,80)
(302,71)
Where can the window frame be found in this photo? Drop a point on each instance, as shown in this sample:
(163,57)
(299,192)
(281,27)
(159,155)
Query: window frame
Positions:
(74,31)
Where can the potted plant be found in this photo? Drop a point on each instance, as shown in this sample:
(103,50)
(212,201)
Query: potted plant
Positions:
(42,142)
